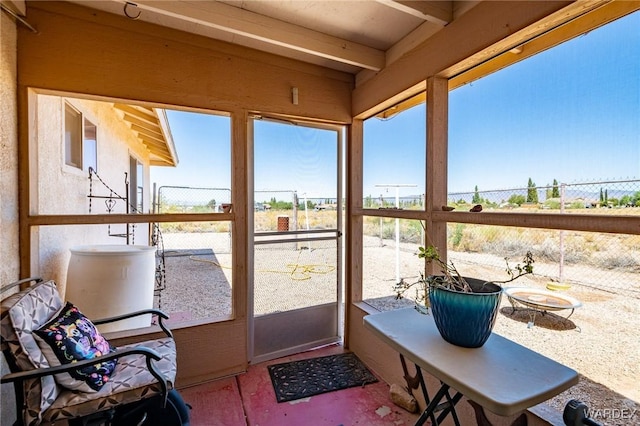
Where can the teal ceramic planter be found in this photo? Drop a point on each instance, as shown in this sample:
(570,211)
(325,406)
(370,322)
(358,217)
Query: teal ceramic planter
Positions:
(466,319)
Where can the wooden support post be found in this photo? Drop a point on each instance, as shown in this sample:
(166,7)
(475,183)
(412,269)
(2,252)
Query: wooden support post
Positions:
(437,140)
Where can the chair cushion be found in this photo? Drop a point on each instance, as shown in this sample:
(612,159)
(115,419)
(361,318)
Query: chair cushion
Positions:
(21,313)
(130,382)
(70,337)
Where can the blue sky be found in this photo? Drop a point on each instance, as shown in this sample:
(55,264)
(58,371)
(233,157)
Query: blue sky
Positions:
(295,158)
(204,151)
(571,113)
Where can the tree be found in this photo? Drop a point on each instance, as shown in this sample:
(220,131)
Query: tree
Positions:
(368,201)
(476,197)
(555,193)
(517,199)
(212,204)
(532,192)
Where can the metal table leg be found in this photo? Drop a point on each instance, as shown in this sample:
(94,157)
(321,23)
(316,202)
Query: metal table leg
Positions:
(433,406)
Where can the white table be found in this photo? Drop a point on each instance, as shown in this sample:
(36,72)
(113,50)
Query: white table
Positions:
(501,376)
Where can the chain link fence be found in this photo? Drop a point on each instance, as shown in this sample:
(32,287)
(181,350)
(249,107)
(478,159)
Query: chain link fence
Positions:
(292,211)
(606,261)
(275,211)
(610,262)
(193,235)
(407,202)
(556,196)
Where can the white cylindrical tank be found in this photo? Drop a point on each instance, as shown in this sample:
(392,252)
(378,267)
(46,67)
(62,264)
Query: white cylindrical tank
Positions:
(109,280)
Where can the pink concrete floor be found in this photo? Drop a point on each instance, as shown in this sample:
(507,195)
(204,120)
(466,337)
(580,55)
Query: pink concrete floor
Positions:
(249,399)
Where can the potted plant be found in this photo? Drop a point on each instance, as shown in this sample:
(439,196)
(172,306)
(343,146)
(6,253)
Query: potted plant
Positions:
(464,309)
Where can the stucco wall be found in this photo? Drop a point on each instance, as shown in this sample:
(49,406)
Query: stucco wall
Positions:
(9,267)
(9,148)
(63,189)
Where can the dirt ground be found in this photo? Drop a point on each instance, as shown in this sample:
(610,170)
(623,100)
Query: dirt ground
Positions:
(600,340)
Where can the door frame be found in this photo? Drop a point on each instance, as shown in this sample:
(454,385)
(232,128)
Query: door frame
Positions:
(317,312)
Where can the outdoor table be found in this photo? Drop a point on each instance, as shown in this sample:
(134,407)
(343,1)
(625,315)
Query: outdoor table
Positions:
(540,301)
(501,376)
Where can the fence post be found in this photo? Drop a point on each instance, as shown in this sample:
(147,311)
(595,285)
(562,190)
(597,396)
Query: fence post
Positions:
(381,205)
(295,211)
(561,266)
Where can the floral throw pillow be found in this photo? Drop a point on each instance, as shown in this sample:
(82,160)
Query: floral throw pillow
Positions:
(71,337)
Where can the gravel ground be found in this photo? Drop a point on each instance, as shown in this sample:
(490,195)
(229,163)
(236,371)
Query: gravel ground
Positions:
(601,339)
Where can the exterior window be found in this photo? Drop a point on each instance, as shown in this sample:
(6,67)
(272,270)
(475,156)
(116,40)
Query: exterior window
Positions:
(139,186)
(80,140)
(90,147)
(72,137)
(136,185)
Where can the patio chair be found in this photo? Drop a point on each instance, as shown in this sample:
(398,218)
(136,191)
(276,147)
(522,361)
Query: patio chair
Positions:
(42,338)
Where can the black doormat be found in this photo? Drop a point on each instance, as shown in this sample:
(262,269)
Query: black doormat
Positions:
(308,377)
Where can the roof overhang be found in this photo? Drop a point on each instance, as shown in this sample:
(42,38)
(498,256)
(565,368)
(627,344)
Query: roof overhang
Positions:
(151,127)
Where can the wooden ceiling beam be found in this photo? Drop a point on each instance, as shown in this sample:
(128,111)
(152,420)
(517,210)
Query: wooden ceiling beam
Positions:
(153,144)
(438,12)
(166,158)
(154,134)
(161,163)
(141,123)
(141,114)
(244,23)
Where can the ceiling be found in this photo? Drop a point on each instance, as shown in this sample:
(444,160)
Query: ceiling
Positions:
(346,35)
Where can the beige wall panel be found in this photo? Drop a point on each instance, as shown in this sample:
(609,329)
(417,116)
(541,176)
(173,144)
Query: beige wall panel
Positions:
(378,356)
(211,351)
(89,51)
(9,152)
(482,26)
(205,352)
(10,268)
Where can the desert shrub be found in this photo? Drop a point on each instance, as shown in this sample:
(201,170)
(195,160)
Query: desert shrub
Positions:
(410,231)
(548,250)
(456,235)
(388,230)
(194,227)
(577,205)
(490,233)
(552,204)
(371,226)
(575,254)
(580,246)
(607,260)
(511,248)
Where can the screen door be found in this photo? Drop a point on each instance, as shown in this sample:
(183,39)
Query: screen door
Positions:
(296,253)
